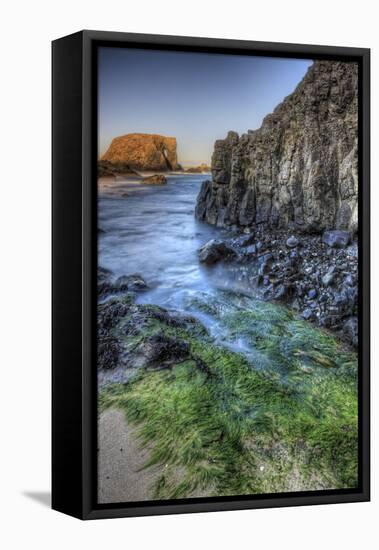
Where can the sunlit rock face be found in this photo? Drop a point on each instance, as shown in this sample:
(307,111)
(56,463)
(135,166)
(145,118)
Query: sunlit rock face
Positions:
(300,169)
(143,152)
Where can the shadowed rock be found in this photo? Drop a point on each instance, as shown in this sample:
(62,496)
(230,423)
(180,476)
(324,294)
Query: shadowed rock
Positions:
(214,251)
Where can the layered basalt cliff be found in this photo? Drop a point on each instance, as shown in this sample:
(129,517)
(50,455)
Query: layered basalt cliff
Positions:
(143,152)
(300,169)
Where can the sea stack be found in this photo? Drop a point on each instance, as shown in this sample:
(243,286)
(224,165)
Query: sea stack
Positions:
(150,152)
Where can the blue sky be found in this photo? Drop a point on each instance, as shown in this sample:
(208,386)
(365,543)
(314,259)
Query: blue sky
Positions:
(196,98)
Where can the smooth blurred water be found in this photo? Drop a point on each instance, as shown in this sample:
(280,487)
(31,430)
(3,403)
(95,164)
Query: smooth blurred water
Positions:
(151,230)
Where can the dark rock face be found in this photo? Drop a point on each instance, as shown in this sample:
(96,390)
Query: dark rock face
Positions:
(300,169)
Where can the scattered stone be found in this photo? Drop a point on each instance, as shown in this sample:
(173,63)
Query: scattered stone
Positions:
(350,280)
(156,179)
(198,169)
(308,277)
(307,314)
(246,241)
(352,250)
(328,278)
(292,242)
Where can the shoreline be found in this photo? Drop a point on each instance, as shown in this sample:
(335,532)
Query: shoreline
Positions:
(315,279)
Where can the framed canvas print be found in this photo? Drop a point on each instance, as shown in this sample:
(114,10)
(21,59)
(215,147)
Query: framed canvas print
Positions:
(210,274)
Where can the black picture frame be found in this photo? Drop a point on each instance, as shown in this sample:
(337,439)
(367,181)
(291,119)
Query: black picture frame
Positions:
(74,206)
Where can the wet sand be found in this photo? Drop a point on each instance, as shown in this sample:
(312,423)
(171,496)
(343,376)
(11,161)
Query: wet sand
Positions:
(120,459)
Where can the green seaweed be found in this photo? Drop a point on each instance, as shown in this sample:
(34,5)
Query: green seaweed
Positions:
(231,428)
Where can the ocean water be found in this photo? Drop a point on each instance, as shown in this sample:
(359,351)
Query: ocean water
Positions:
(152,231)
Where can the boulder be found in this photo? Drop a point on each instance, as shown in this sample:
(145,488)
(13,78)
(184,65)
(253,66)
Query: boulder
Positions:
(292,242)
(156,179)
(130,282)
(336,238)
(308,314)
(198,169)
(214,251)
(106,284)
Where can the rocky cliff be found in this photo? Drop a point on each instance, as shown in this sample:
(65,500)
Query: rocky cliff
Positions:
(300,169)
(143,152)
